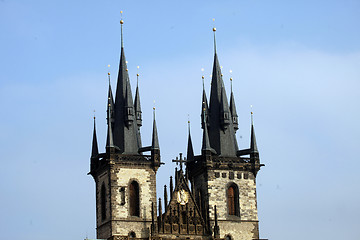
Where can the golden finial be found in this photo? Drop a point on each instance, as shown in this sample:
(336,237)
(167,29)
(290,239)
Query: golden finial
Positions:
(154,105)
(121,21)
(109,73)
(127,69)
(202,77)
(94,114)
(214,28)
(230,79)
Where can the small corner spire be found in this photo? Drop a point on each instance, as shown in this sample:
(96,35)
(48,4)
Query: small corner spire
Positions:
(95,149)
(137,105)
(190,150)
(233,112)
(155,139)
(110,113)
(204,113)
(253,145)
(205,140)
(110,133)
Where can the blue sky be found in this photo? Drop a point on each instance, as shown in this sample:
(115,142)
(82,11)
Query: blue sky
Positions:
(296,62)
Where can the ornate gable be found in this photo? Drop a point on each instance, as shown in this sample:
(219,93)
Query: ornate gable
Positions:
(182,215)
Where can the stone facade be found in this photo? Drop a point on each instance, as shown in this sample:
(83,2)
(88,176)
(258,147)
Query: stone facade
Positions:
(117,175)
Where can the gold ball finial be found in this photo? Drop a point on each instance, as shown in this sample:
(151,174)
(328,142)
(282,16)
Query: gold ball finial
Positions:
(202,77)
(137,74)
(127,70)
(251,113)
(214,29)
(230,79)
(154,108)
(109,73)
(121,21)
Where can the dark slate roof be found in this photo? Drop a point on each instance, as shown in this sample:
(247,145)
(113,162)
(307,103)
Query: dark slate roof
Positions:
(137,104)
(232,105)
(155,139)
(205,107)
(222,140)
(205,140)
(110,141)
(110,114)
(190,150)
(95,150)
(253,145)
(125,135)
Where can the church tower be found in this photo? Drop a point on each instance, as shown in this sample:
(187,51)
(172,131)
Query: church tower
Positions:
(125,177)
(213,197)
(224,181)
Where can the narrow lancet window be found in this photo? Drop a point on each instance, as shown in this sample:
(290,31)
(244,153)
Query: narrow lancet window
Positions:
(233,200)
(134,199)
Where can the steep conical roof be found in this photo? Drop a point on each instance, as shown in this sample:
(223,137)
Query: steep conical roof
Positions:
(155,139)
(205,106)
(233,109)
(190,150)
(110,114)
(221,133)
(253,145)
(205,139)
(125,132)
(95,149)
(110,141)
(137,105)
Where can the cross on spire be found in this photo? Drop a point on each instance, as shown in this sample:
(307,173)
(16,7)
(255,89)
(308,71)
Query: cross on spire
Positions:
(179,161)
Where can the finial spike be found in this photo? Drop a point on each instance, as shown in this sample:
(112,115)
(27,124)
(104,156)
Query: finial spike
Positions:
(137,76)
(214,30)
(252,117)
(121,22)
(109,73)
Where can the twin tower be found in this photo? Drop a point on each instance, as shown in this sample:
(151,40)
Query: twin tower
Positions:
(213,198)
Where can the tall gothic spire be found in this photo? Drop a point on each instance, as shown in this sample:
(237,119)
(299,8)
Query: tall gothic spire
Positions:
(110,113)
(95,149)
(234,115)
(221,131)
(190,150)
(205,141)
(155,140)
(204,112)
(253,145)
(125,128)
(137,104)
(138,112)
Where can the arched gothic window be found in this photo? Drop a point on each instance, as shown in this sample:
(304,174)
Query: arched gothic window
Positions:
(134,200)
(103,201)
(233,200)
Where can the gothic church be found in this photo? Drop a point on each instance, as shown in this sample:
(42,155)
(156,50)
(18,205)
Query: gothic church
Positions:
(212,195)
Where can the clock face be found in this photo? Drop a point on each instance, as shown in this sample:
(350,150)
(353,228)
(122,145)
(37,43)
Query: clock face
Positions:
(182,197)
